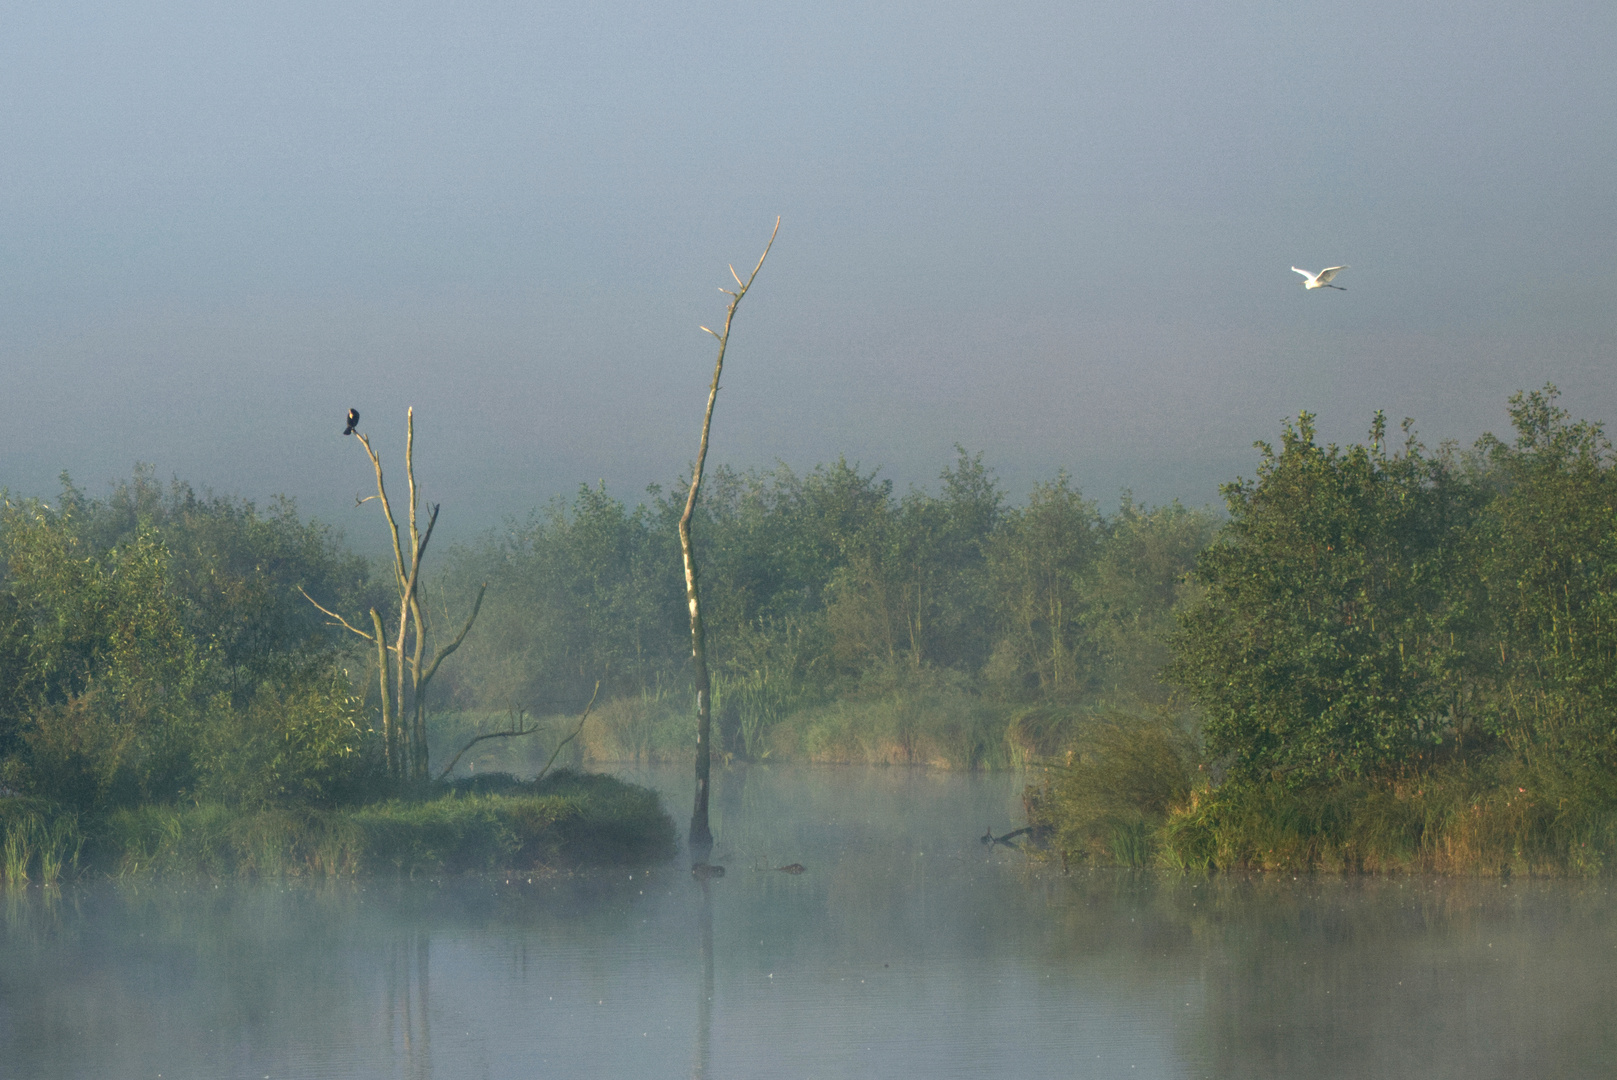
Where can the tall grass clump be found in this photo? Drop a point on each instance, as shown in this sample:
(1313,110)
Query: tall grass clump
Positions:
(1123,779)
(649,726)
(750,705)
(17,854)
(1042,733)
(37,839)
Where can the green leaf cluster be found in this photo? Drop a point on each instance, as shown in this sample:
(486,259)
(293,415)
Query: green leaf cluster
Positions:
(1366,610)
(153,648)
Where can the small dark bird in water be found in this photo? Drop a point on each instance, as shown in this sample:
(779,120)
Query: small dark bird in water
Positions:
(353,421)
(792,868)
(702,871)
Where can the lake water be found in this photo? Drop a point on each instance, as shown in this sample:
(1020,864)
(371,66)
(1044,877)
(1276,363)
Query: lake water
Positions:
(907,949)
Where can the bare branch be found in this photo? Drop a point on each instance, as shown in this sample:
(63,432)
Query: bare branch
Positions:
(762,257)
(381,667)
(409,474)
(515,732)
(405,734)
(407,605)
(701,836)
(444,652)
(334,615)
(582,717)
(387,509)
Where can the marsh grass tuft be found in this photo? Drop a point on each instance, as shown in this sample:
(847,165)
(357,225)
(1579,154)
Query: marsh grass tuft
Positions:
(1111,799)
(1131,844)
(18,853)
(37,838)
(652,725)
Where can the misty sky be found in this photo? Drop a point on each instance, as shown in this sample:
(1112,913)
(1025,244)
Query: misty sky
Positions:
(1058,233)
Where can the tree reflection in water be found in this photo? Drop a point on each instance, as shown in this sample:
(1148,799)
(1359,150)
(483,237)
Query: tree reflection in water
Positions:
(409,1022)
(704,989)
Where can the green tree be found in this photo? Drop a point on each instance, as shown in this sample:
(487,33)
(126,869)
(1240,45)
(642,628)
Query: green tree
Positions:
(1322,648)
(1546,556)
(1043,568)
(1142,577)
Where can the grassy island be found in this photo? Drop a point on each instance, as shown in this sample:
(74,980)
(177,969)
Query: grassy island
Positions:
(566,821)
(170,702)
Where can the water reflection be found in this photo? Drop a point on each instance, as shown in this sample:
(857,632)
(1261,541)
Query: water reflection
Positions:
(704,986)
(408,1011)
(907,948)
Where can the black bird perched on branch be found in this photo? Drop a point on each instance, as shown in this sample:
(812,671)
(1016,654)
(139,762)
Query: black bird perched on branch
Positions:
(353,419)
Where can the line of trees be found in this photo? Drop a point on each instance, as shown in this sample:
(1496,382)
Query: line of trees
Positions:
(1385,654)
(157,645)
(819,584)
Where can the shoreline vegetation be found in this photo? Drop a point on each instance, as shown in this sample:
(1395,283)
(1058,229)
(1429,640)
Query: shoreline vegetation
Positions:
(1380,658)
(485,824)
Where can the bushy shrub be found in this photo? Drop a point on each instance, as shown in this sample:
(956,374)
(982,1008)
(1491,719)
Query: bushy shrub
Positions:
(301,737)
(1404,659)
(153,648)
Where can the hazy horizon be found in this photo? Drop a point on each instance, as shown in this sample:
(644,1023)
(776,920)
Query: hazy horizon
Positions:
(1059,235)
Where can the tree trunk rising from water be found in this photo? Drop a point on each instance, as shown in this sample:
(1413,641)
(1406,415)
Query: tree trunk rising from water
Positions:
(701,838)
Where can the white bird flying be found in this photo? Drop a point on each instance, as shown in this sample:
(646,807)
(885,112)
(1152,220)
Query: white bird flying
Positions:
(1321,280)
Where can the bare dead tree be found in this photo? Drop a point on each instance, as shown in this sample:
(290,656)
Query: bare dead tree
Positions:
(701,838)
(403,662)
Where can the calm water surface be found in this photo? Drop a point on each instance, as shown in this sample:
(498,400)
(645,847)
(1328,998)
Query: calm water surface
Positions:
(908,949)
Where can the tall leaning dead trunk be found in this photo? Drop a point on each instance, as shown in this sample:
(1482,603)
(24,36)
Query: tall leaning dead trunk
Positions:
(701,839)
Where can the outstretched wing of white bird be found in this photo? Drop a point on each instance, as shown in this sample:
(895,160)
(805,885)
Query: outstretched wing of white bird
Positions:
(1328,273)
(1304,273)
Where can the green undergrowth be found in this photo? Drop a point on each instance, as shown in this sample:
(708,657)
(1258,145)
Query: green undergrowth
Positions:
(1495,817)
(1109,800)
(1134,792)
(492,822)
(934,724)
(927,718)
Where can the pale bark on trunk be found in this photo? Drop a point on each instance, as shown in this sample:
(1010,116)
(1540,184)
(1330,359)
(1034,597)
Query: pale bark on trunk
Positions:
(404,723)
(701,836)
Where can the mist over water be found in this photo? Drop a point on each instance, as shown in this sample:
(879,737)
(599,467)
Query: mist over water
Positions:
(906,948)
